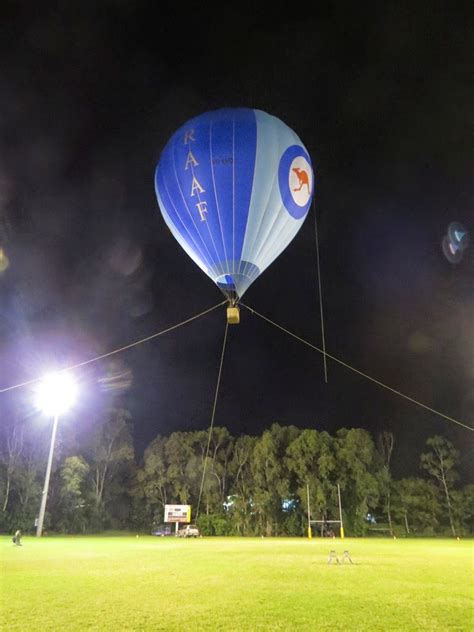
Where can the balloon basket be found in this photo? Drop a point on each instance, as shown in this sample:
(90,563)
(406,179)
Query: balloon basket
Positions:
(233,315)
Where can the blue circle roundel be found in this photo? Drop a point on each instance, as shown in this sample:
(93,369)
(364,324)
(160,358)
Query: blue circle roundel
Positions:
(296,180)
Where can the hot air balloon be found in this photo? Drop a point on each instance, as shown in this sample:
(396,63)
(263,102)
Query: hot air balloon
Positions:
(234,186)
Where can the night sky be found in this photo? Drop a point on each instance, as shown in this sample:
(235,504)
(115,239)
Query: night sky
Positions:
(382,98)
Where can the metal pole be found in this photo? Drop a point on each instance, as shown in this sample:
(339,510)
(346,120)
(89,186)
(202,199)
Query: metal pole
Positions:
(39,528)
(340,511)
(310,535)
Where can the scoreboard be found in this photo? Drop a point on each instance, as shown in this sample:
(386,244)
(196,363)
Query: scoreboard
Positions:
(177,513)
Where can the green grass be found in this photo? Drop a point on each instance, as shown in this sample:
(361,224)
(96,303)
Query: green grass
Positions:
(146,583)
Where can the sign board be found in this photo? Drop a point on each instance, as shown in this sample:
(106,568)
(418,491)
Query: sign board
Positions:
(177,513)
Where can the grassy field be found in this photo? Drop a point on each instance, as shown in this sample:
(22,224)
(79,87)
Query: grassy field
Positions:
(146,583)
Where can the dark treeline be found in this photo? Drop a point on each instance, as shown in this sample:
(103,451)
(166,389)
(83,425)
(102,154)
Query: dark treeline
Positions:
(253,485)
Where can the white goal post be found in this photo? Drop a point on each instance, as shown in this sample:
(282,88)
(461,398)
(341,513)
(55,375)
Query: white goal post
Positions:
(323,522)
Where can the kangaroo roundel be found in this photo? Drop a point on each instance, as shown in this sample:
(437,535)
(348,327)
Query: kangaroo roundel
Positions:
(300,181)
(295,177)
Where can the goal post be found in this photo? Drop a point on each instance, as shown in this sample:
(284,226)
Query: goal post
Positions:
(325,522)
(340,511)
(310,533)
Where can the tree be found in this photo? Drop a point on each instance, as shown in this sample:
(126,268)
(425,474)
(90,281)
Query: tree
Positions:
(385,443)
(10,457)
(311,457)
(72,502)
(112,451)
(415,502)
(240,501)
(19,476)
(356,469)
(179,451)
(153,481)
(440,462)
(220,451)
(271,476)
(463,508)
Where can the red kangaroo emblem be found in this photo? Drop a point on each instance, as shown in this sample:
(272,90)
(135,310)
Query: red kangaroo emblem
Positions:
(302,177)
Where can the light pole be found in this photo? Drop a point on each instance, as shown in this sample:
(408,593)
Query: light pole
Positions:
(55,395)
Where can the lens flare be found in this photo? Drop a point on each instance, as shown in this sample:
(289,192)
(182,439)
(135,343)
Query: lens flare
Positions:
(458,235)
(4,262)
(451,251)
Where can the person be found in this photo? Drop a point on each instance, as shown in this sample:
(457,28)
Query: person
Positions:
(17,538)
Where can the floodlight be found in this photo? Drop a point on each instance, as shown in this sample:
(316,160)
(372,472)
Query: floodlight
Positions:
(56,393)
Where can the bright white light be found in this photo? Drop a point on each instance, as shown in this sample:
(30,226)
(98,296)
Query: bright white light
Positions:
(56,393)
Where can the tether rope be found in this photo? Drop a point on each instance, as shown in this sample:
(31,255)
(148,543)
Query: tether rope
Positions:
(119,350)
(320,294)
(351,368)
(212,417)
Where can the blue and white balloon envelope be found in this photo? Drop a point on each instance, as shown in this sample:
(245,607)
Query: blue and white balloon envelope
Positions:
(234,187)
